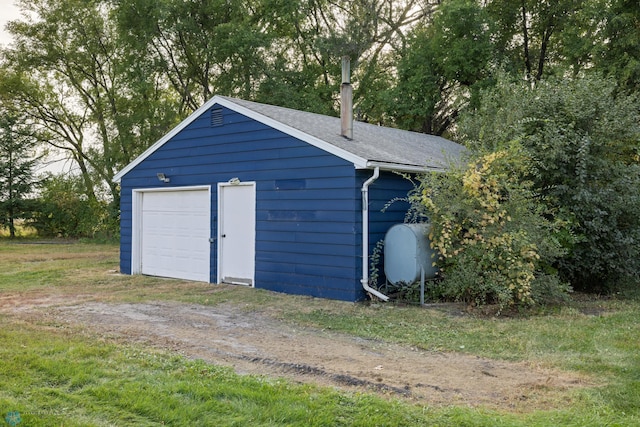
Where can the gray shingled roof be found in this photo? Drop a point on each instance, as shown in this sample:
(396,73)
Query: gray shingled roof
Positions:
(372,146)
(375,144)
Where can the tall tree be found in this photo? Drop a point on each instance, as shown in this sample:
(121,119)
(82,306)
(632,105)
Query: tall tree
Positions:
(86,94)
(440,66)
(368,31)
(281,52)
(17,176)
(528,33)
(618,55)
(201,48)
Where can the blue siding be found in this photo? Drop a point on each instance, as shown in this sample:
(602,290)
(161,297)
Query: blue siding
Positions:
(305,230)
(125,229)
(308,202)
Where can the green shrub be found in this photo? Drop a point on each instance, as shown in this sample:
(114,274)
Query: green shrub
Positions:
(495,243)
(585,139)
(65,211)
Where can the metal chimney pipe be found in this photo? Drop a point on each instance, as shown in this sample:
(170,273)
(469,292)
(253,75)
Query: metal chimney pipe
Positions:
(346,100)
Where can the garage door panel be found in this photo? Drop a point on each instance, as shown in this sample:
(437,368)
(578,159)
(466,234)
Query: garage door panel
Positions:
(176,201)
(175,234)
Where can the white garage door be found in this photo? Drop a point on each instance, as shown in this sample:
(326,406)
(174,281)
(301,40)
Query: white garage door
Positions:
(175,231)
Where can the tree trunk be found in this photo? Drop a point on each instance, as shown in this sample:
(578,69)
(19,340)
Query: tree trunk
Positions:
(525,38)
(12,227)
(11,212)
(543,50)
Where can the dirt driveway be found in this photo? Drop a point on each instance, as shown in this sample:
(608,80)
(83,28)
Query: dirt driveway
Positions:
(255,343)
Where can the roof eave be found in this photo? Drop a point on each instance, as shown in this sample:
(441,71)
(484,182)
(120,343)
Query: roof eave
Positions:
(397,167)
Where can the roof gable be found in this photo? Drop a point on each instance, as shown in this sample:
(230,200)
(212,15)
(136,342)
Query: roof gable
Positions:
(371,146)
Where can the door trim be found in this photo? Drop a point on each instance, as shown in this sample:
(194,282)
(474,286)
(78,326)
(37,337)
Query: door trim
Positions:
(220,222)
(136,220)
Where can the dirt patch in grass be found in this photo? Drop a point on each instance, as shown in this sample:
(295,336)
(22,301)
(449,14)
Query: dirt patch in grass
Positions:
(256,343)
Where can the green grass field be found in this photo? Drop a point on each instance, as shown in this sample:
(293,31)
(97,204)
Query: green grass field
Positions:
(52,374)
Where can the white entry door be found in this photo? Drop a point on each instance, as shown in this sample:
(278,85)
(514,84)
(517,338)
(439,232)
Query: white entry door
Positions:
(175,227)
(236,233)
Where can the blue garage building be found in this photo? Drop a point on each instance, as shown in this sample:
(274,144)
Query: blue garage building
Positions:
(265,196)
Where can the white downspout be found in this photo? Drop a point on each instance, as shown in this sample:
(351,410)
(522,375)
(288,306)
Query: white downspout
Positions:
(365,236)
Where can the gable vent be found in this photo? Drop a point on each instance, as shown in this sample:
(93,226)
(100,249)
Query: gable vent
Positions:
(217,118)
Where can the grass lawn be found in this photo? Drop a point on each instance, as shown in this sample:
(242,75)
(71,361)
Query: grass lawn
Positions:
(51,374)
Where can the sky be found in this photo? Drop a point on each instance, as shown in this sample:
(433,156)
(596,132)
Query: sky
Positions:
(8,12)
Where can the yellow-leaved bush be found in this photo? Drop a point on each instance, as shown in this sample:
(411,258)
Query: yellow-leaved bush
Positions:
(494,237)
